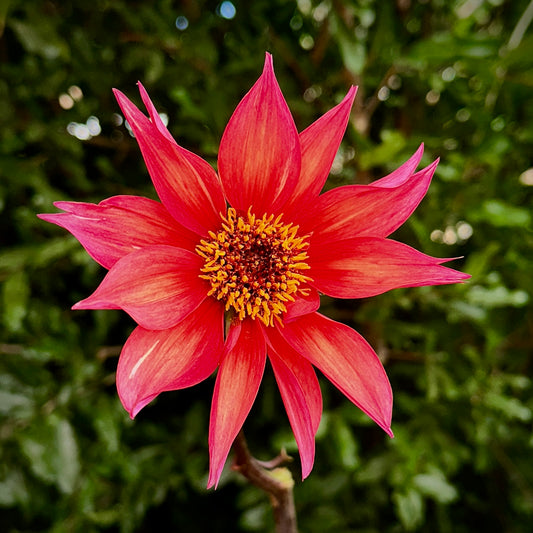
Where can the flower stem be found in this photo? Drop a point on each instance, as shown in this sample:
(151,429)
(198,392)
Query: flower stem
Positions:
(277,482)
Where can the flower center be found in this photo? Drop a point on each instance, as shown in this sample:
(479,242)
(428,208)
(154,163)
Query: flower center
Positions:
(255,265)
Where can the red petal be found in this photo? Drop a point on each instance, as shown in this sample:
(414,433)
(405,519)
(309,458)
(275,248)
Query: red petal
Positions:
(152,362)
(154,115)
(302,305)
(358,268)
(186,184)
(120,225)
(301,395)
(157,286)
(319,144)
(402,173)
(347,360)
(238,379)
(259,156)
(368,210)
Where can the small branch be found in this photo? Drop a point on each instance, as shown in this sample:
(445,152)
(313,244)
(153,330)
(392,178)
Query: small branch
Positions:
(277,482)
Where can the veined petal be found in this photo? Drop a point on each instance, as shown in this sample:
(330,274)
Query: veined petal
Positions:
(301,395)
(319,144)
(120,225)
(302,305)
(362,267)
(154,115)
(368,210)
(152,362)
(238,379)
(402,173)
(259,156)
(347,360)
(186,184)
(157,286)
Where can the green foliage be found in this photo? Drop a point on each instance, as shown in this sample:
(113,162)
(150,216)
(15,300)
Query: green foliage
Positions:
(455,75)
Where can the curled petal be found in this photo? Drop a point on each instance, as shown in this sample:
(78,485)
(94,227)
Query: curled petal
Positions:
(120,225)
(347,360)
(259,156)
(369,210)
(301,395)
(319,144)
(186,184)
(152,362)
(238,379)
(362,267)
(157,286)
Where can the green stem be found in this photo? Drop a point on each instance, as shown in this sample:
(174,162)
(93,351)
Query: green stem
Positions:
(277,482)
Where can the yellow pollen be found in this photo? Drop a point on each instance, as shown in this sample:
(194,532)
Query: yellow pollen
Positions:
(254,265)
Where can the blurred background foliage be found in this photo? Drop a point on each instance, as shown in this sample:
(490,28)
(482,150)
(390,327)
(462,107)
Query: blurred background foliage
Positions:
(456,75)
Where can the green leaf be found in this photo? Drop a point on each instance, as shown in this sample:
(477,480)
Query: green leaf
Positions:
(50,446)
(410,508)
(435,486)
(15,294)
(501,214)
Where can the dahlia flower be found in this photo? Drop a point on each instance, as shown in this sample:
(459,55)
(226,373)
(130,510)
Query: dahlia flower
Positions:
(251,246)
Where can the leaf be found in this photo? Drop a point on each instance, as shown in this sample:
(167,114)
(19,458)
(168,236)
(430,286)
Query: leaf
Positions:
(50,446)
(435,486)
(501,214)
(410,508)
(15,294)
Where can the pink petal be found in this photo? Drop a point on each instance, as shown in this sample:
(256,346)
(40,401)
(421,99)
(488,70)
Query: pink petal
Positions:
(319,145)
(402,173)
(368,210)
(302,305)
(238,379)
(154,115)
(259,156)
(158,286)
(155,361)
(301,395)
(120,225)
(362,267)
(186,184)
(347,360)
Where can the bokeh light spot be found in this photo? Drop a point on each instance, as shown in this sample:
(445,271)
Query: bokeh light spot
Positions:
(226,10)
(182,23)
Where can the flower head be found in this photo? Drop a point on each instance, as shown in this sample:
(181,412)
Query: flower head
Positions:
(252,246)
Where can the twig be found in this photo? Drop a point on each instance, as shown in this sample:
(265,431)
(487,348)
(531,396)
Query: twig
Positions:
(277,482)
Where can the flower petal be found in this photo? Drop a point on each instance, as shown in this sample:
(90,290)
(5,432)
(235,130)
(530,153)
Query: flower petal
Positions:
(120,225)
(347,360)
(402,173)
(319,144)
(152,362)
(154,115)
(238,379)
(368,210)
(186,184)
(302,305)
(362,267)
(157,286)
(301,395)
(259,156)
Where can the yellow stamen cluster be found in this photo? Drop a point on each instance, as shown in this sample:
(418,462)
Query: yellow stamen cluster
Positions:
(255,265)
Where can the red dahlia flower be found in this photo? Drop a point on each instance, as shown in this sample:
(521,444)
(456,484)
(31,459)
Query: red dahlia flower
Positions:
(254,243)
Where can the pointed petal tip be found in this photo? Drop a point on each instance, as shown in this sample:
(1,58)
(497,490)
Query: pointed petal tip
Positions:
(306,470)
(350,95)
(214,478)
(389,432)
